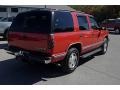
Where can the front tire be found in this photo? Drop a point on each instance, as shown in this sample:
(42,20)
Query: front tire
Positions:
(104,47)
(71,61)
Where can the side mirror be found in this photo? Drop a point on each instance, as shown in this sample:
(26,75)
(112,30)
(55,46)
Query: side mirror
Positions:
(101,28)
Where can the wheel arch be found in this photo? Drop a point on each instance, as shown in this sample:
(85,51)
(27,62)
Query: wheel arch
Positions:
(107,37)
(76,45)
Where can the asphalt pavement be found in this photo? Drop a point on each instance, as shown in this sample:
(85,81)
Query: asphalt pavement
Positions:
(97,70)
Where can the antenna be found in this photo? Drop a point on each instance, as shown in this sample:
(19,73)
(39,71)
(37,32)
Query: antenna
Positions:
(45,6)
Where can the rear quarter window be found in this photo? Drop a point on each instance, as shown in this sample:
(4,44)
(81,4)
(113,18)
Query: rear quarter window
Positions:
(63,22)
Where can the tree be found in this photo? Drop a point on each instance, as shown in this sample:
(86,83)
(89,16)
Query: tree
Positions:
(101,12)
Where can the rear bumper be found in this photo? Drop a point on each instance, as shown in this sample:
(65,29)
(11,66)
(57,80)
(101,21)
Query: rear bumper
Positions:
(23,54)
(29,56)
(35,56)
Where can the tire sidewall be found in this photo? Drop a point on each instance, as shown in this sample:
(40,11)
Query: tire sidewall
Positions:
(67,67)
(103,47)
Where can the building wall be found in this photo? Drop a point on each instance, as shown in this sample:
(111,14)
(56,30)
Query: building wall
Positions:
(22,8)
(8,13)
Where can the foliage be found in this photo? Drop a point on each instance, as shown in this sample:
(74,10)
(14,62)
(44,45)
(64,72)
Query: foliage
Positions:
(101,12)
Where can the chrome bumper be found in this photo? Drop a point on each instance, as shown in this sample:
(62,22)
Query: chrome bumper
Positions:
(29,56)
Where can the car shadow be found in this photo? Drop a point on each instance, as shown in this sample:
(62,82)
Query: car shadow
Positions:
(85,60)
(13,72)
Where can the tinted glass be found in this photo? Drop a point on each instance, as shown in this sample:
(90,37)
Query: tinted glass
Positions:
(117,20)
(34,21)
(94,24)
(63,22)
(83,24)
(111,21)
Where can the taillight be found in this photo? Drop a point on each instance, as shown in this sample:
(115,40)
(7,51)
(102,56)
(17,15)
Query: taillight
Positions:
(51,41)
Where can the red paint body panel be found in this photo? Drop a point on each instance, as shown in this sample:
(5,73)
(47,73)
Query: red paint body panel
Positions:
(28,41)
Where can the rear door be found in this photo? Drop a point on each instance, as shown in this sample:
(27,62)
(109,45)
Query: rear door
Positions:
(63,31)
(85,33)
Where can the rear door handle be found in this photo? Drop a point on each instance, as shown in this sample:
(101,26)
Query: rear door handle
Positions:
(84,36)
(81,35)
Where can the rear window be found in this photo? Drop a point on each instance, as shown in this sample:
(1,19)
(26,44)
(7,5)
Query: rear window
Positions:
(34,21)
(109,21)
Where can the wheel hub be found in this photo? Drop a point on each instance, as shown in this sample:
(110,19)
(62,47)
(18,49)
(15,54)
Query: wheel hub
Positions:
(72,60)
(105,46)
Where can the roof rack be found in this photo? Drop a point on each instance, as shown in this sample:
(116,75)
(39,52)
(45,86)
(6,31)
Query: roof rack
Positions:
(60,10)
(55,9)
(80,12)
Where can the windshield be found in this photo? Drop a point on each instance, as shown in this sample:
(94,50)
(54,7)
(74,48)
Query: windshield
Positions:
(33,21)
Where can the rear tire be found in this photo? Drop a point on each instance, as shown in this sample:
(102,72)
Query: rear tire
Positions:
(104,47)
(71,61)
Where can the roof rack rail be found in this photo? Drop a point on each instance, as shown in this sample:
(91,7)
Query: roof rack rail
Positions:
(60,10)
(55,9)
(80,12)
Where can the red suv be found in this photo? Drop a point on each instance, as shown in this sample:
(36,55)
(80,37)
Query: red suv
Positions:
(56,36)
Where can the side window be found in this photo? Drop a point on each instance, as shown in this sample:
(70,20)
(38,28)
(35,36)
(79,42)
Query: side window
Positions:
(63,22)
(94,24)
(83,24)
(118,21)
